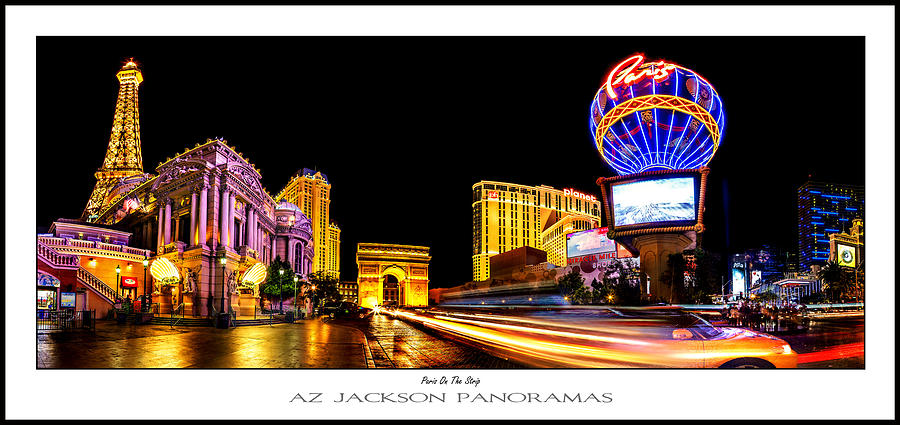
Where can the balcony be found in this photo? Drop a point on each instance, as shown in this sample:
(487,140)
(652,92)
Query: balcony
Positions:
(94,248)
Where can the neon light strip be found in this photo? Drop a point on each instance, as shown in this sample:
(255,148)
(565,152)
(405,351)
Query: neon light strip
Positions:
(671,123)
(640,124)
(655,124)
(658,101)
(703,157)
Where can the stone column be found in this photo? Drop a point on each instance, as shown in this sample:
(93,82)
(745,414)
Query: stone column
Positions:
(257,234)
(167,223)
(223,213)
(248,226)
(289,252)
(272,252)
(192,237)
(231,230)
(201,237)
(241,233)
(161,224)
(251,228)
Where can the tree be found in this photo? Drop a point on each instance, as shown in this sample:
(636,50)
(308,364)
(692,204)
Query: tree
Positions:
(767,296)
(618,283)
(326,287)
(599,293)
(279,281)
(571,287)
(693,281)
(836,281)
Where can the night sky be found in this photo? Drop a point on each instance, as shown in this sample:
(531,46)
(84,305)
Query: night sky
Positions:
(403,126)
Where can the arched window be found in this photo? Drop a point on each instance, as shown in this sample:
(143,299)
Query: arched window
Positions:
(297,264)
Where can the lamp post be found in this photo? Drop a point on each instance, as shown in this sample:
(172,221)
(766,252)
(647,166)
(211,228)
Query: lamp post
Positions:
(280,297)
(294,303)
(145,304)
(315,303)
(224,262)
(118,271)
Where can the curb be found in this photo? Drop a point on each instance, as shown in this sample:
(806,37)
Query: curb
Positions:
(370,360)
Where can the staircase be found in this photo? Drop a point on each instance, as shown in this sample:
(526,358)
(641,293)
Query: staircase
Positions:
(181,321)
(93,282)
(71,262)
(254,322)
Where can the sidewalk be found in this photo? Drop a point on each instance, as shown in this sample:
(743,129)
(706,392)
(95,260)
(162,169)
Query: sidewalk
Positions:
(304,344)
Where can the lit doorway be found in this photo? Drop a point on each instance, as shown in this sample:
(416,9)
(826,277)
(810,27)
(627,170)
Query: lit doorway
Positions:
(391,293)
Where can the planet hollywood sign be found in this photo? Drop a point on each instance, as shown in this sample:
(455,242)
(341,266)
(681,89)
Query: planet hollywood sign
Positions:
(577,194)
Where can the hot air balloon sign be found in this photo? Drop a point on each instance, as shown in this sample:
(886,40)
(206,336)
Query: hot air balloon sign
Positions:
(656,115)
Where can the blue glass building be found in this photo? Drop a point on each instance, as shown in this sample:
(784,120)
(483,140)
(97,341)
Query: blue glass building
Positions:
(822,209)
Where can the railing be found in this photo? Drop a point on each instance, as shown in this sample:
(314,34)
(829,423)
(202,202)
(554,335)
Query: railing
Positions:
(172,317)
(66,320)
(56,259)
(96,284)
(96,245)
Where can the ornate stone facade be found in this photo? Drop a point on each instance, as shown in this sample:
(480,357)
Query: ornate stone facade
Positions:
(205,210)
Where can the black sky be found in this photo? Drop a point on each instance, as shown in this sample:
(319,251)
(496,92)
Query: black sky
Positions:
(403,126)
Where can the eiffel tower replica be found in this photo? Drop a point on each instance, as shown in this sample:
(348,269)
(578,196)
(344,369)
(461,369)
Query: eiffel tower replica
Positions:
(123,156)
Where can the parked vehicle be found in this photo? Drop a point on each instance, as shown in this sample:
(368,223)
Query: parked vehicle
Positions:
(347,309)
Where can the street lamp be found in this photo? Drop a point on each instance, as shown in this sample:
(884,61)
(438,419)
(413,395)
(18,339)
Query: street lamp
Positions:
(294,303)
(145,304)
(224,262)
(118,270)
(280,297)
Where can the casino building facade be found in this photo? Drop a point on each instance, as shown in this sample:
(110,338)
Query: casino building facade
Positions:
(824,209)
(201,224)
(506,216)
(310,191)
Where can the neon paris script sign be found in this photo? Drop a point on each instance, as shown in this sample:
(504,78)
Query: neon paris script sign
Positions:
(658,71)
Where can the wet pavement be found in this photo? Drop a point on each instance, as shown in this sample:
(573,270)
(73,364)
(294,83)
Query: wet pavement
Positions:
(395,343)
(305,344)
(382,342)
(830,343)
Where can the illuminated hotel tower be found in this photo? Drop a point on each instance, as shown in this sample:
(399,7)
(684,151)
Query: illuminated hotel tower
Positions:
(506,216)
(123,155)
(311,192)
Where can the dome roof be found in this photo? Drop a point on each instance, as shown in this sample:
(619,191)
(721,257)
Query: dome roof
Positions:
(285,209)
(285,205)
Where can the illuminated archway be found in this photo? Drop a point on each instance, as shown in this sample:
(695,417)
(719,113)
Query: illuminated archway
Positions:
(405,264)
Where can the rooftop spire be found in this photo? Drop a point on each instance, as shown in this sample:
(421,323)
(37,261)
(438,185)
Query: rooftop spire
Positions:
(123,155)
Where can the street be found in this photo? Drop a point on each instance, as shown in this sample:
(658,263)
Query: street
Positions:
(831,343)
(307,344)
(381,342)
(395,343)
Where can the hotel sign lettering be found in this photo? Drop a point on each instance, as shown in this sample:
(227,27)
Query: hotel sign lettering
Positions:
(577,194)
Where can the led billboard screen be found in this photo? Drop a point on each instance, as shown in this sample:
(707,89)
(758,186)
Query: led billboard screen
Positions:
(737,281)
(654,201)
(755,277)
(587,242)
(846,255)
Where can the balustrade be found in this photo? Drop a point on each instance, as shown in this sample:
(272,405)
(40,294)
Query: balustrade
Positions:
(94,248)
(94,282)
(55,258)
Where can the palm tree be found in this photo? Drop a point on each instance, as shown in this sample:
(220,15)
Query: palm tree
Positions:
(835,279)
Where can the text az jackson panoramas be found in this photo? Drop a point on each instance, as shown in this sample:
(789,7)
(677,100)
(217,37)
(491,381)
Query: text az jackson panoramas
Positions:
(456,397)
